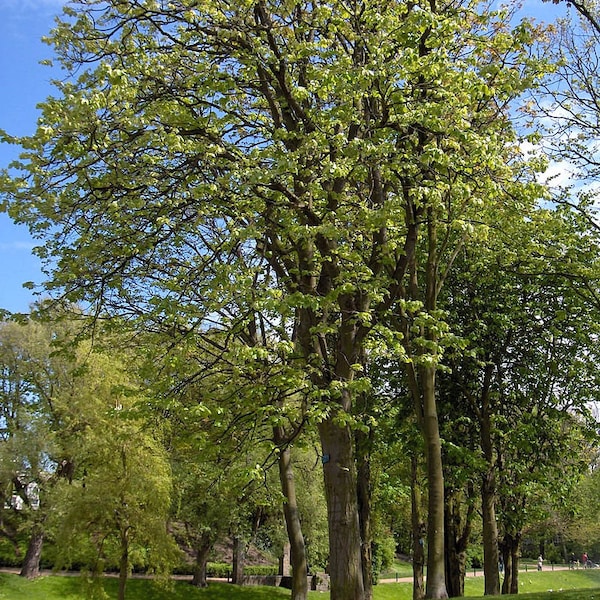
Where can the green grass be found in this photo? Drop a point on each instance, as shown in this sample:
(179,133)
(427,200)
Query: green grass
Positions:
(548,584)
(398,569)
(575,585)
(13,587)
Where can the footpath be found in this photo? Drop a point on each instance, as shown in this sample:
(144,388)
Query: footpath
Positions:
(397,579)
(479,573)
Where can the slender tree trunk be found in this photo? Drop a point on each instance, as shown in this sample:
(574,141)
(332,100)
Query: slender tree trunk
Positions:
(457,532)
(488,493)
(239,551)
(507,568)
(436,579)
(364,513)
(31,562)
(123,563)
(490,534)
(292,521)
(203,548)
(511,549)
(345,567)
(364,443)
(515,557)
(418,533)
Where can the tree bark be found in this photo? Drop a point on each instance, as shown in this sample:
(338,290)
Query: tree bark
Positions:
(511,549)
(203,548)
(457,532)
(488,492)
(490,534)
(364,442)
(292,521)
(345,567)
(418,534)
(364,514)
(436,579)
(515,557)
(123,563)
(239,550)
(31,562)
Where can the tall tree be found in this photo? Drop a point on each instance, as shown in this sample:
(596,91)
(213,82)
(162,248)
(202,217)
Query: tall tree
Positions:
(344,147)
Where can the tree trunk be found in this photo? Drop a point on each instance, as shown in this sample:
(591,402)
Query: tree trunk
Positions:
(364,513)
(345,569)
(488,493)
(239,551)
(507,569)
(511,547)
(490,534)
(292,521)
(31,562)
(418,534)
(364,442)
(436,578)
(515,557)
(457,532)
(203,548)
(123,563)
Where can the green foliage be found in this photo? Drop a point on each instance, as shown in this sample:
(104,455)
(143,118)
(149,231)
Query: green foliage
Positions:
(280,193)
(384,552)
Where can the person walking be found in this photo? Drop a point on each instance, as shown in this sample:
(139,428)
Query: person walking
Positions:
(540,562)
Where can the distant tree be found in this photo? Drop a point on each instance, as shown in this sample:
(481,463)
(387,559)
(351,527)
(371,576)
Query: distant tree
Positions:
(117,508)
(41,390)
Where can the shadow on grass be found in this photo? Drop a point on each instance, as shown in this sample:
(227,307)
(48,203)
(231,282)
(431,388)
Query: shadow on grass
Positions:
(14,587)
(179,590)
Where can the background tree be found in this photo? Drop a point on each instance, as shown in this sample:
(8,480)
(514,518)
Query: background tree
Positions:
(116,510)
(42,391)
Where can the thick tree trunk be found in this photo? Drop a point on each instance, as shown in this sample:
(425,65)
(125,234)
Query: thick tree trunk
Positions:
(31,562)
(239,551)
(203,548)
(345,569)
(436,579)
(418,534)
(292,521)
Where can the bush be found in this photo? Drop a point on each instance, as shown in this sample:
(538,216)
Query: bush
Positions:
(224,570)
(383,554)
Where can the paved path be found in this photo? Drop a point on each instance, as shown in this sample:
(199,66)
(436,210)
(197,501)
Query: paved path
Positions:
(469,573)
(479,573)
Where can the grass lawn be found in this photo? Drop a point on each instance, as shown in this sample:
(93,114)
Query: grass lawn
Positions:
(547,585)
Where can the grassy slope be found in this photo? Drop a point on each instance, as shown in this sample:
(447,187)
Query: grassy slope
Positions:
(584,585)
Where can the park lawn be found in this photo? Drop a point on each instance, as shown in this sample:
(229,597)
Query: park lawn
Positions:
(576,585)
(398,569)
(13,587)
(535,582)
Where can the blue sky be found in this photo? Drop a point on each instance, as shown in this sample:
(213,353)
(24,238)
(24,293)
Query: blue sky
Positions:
(23,84)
